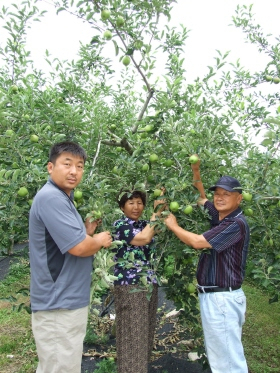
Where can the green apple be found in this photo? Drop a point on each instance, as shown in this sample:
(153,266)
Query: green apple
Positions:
(138,44)
(153,158)
(115,170)
(191,288)
(268,78)
(119,149)
(22,192)
(149,128)
(105,14)
(248,212)
(174,206)
(145,167)
(247,196)
(14,88)
(78,194)
(9,133)
(188,210)
(120,21)
(34,138)
(96,214)
(193,159)
(168,162)
(107,35)
(126,60)
(157,192)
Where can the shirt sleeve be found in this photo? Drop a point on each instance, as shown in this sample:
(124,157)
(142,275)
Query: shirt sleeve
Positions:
(213,213)
(62,222)
(223,236)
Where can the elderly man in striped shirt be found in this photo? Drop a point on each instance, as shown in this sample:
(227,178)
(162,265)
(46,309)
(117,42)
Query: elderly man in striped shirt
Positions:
(220,272)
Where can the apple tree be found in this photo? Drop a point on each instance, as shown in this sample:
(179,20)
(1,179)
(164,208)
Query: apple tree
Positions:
(140,129)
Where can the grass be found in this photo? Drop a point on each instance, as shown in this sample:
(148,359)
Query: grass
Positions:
(261,332)
(17,346)
(106,366)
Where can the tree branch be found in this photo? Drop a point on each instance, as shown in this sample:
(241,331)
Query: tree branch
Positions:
(95,157)
(144,108)
(127,146)
(123,143)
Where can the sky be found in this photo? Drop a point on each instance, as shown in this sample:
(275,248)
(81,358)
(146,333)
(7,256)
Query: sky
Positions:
(207,20)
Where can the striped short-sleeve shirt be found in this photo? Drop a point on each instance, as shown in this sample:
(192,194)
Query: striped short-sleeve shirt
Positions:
(224,264)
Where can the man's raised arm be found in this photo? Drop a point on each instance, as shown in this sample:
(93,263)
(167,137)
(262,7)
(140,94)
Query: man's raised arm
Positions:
(197,182)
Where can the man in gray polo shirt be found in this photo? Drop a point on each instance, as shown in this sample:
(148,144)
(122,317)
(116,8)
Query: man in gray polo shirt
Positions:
(61,254)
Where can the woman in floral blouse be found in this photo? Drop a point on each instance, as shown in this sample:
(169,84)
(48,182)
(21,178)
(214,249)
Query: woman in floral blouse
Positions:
(135,310)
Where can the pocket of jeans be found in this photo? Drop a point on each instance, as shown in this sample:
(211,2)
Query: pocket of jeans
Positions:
(240,299)
(220,302)
(241,305)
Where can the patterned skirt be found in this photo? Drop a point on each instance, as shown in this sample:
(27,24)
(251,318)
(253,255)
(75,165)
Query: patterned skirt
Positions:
(135,327)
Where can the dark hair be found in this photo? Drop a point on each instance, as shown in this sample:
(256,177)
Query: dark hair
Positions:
(66,146)
(126,195)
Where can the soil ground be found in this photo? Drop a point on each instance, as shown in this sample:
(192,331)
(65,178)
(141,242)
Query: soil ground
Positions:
(168,357)
(169,363)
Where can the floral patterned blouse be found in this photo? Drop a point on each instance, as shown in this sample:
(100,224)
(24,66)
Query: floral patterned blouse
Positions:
(132,262)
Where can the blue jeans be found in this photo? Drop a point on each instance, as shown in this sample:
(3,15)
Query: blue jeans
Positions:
(223,315)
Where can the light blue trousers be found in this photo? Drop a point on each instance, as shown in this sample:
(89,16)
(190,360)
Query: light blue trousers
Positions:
(222,315)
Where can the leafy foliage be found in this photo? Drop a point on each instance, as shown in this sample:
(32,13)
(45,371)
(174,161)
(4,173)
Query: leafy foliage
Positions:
(106,366)
(123,114)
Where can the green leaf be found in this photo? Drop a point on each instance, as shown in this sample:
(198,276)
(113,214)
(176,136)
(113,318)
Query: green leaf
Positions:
(116,47)
(16,174)
(60,10)
(266,142)
(81,3)
(89,16)
(273,299)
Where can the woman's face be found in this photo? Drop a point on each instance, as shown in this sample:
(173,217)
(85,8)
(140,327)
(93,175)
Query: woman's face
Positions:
(133,208)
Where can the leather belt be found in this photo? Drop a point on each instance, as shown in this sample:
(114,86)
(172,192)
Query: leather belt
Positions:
(203,289)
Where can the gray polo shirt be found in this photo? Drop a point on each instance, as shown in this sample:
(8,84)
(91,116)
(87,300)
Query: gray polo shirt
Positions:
(58,279)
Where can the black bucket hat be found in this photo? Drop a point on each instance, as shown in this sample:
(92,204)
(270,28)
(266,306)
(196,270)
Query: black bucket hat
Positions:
(228,183)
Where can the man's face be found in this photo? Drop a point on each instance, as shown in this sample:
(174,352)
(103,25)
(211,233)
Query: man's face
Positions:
(67,171)
(225,201)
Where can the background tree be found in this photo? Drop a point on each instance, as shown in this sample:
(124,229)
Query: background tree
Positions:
(140,130)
